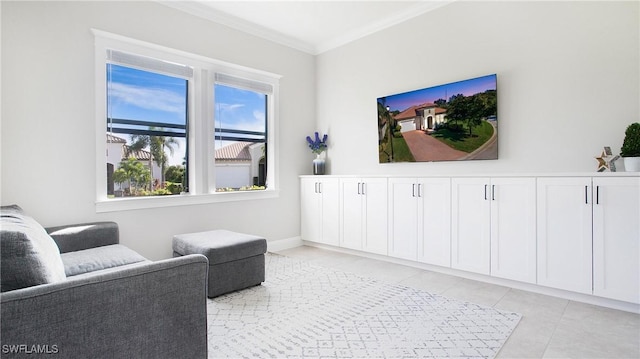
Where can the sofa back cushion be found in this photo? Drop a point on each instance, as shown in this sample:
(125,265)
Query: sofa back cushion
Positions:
(28,255)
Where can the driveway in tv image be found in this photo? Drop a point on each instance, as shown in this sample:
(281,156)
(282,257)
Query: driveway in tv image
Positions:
(426,148)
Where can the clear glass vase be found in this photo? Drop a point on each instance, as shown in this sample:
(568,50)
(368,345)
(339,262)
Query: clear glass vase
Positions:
(318,164)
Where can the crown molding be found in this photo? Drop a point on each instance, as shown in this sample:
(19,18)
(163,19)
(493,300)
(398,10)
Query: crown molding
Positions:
(394,19)
(198,9)
(208,13)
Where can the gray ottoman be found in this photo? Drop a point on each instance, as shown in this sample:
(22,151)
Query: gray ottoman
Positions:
(236,260)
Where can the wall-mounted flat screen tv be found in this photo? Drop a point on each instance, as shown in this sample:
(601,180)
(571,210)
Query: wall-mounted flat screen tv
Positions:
(452,122)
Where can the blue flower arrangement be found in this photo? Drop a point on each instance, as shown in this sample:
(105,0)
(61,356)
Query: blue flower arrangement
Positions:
(317,146)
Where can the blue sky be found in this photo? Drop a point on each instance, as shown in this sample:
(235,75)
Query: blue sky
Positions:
(403,101)
(143,95)
(239,109)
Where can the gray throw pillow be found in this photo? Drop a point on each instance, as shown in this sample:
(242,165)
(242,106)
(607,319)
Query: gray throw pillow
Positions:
(28,255)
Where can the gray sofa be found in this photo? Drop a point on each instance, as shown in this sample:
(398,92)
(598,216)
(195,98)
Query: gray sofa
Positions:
(75,292)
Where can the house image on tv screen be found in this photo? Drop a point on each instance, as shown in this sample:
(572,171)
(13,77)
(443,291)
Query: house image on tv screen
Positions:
(451,122)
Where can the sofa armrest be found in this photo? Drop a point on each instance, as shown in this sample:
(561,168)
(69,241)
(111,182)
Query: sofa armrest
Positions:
(76,237)
(154,310)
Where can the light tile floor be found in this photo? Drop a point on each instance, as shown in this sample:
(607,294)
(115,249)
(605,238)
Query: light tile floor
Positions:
(550,327)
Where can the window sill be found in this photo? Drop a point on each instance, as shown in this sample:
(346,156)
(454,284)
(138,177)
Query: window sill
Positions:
(126,204)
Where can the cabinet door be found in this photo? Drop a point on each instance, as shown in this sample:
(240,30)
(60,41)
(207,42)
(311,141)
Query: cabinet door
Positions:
(351,213)
(434,238)
(403,218)
(470,242)
(311,211)
(564,233)
(375,224)
(330,221)
(616,238)
(513,228)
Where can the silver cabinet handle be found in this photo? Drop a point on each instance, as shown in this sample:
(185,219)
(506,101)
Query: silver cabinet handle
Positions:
(493,192)
(363,187)
(485,192)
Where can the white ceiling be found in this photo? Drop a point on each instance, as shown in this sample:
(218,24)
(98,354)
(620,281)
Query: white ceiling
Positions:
(312,26)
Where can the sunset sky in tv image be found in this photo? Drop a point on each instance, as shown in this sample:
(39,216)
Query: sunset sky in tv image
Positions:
(402,101)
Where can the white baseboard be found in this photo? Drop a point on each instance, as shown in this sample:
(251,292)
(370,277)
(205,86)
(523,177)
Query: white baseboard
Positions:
(282,244)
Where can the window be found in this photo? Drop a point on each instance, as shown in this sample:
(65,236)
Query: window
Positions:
(240,139)
(179,128)
(146,122)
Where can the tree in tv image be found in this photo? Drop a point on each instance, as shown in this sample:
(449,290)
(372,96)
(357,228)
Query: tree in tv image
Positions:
(450,122)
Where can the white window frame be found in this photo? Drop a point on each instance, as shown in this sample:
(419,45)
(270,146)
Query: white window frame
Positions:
(201,125)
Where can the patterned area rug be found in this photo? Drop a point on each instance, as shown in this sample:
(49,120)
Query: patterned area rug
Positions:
(306,311)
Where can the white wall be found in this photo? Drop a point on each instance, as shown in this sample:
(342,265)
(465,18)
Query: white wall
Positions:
(568,82)
(48,117)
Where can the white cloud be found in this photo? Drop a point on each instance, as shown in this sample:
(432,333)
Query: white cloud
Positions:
(147,98)
(239,120)
(230,107)
(259,116)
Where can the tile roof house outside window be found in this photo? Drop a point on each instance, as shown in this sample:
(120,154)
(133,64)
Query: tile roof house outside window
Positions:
(237,165)
(118,151)
(240,165)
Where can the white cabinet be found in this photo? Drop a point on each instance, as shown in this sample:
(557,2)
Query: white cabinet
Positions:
(363,213)
(589,235)
(403,218)
(513,228)
(574,233)
(434,205)
(494,227)
(320,216)
(616,238)
(564,225)
(419,219)
(470,224)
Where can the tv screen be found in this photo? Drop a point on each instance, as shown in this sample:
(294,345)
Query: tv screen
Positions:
(457,121)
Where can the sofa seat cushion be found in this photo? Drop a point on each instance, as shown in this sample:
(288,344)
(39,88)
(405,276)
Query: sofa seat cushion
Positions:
(29,256)
(99,258)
